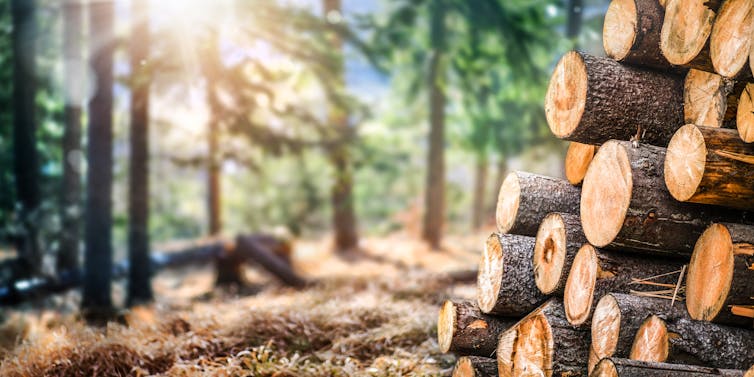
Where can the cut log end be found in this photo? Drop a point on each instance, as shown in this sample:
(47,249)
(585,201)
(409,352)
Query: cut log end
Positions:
(464,368)
(619,30)
(605,330)
(685,30)
(533,351)
(577,161)
(508,201)
(685,161)
(505,352)
(605,368)
(704,100)
(565,100)
(745,114)
(710,273)
(475,366)
(606,194)
(490,274)
(549,253)
(651,342)
(579,289)
(730,41)
(446,325)
(750,372)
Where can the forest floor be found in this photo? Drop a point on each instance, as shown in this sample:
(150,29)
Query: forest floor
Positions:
(371,317)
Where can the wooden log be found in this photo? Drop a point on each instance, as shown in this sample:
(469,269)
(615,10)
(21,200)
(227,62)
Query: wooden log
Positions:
(710,166)
(710,100)
(463,329)
(596,273)
(684,37)
(721,274)
(544,344)
(591,100)
(685,341)
(558,240)
(745,114)
(616,320)
(625,206)
(631,32)
(505,285)
(525,199)
(730,41)
(577,161)
(614,367)
(256,251)
(750,372)
(475,366)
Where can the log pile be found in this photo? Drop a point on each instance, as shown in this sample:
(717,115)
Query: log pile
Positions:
(641,263)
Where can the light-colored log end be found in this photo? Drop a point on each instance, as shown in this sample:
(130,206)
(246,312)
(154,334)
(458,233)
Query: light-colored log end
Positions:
(446,324)
(490,274)
(605,330)
(565,100)
(508,200)
(730,41)
(606,194)
(704,100)
(710,273)
(685,30)
(750,372)
(577,161)
(579,289)
(464,368)
(605,368)
(745,114)
(505,351)
(651,342)
(619,29)
(684,162)
(549,253)
(533,350)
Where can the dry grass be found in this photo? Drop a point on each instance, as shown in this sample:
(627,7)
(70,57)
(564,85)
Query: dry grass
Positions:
(364,319)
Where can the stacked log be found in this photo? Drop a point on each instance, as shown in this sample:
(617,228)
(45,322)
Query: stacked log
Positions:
(641,263)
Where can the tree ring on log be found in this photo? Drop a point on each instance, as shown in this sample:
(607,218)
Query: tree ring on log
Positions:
(651,342)
(605,368)
(446,324)
(565,100)
(710,273)
(704,103)
(579,289)
(745,114)
(730,42)
(684,162)
(549,253)
(534,348)
(685,30)
(605,330)
(606,194)
(620,25)
(490,274)
(508,201)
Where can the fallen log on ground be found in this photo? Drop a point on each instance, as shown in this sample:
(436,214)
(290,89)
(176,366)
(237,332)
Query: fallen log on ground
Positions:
(475,366)
(255,250)
(525,199)
(721,274)
(577,161)
(592,100)
(463,329)
(615,367)
(558,240)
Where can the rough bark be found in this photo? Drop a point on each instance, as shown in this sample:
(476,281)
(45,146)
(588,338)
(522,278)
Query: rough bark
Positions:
(631,33)
(730,41)
(475,366)
(710,166)
(505,284)
(252,249)
(591,100)
(464,330)
(617,317)
(625,205)
(615,367)
(558,240)
(577,161)
(684,37)
(710,100)
(525,199)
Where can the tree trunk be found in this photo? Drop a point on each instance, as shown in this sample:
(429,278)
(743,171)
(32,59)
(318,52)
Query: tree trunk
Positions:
(558,240)
(505,284)
(684,341)
(98,259)
(684,38)
(616,320)
(596,273)
(25,158)
(730,41)
(710,166)
(525,199)
(139,276)
(464,330)
(575,17)
(613,367)
(577,161)
(475,366)
(480,185)
(591,100)
(211,69)
(631,33)
(71,205)
(545,345)
(434,205)
(725,251)
(745,114)
(709,99)
(625,205)
(344,218)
